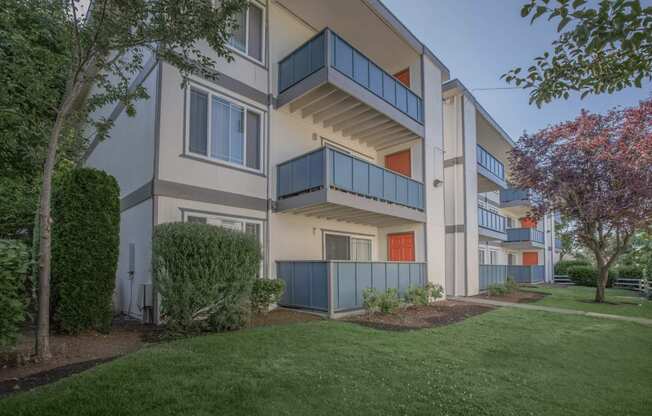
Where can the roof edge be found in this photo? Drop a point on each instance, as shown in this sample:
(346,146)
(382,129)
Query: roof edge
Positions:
(457,84)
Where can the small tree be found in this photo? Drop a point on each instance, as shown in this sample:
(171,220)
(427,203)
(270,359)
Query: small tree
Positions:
(595,171)
(603,47)
(109,44)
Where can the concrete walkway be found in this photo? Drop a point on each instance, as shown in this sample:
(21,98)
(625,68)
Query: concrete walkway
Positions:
(642,321)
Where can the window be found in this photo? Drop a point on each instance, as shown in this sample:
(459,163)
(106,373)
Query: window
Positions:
(344,247)
(231,134)
(248,37)
(481,257)
(493,257)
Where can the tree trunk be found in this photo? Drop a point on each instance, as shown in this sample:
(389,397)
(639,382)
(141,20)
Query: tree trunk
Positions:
(601,283)
(45,222)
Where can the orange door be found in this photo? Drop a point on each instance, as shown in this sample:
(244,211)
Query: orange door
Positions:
(528,223)
(399,162)
(400,247)
(404,77)
(530,258)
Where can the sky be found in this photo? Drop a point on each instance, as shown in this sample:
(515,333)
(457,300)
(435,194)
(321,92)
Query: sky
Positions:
(479,40)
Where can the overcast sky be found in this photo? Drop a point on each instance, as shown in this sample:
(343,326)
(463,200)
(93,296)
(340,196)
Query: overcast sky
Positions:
(479,40)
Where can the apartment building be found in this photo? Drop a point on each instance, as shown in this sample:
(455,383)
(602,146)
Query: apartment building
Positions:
(489,235)
(328,143)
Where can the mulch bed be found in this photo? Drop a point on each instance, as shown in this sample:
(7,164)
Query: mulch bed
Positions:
(74,354)
(420,317)
(515,297)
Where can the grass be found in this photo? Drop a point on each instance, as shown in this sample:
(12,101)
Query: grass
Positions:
(506,362)
(619,301)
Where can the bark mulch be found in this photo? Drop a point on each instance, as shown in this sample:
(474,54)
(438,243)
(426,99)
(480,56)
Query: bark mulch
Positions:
(419,317)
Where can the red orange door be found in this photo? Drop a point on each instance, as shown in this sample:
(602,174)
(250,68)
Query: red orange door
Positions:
(528,223)
(404,77)
(530,258)
(400,247)
(399,162)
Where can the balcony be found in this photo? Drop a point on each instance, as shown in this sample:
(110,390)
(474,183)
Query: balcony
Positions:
(491,226)
(331,184)
(329,80)
(337,286)
(524,238)
(515,201)
(558,245)
(497,274)
(491,172)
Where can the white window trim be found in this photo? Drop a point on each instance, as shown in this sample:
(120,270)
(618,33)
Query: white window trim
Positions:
(209,138)
(245,53)
(356,236)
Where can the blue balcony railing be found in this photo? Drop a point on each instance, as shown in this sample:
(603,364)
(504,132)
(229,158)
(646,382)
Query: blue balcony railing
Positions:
(490,163)
(513,195)
(498,274)
(524,235)
(490,220)
(558,244)
(329,168)
(311,57)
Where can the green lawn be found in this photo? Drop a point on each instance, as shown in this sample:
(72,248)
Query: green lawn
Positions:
(506,362)
(620,302)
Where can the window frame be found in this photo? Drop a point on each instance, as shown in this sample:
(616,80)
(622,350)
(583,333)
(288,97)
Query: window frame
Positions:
(350,237)
(245,53)
(209,137)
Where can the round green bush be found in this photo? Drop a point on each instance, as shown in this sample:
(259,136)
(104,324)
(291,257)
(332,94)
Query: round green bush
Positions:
(14,265)
(582,275)
(266,292)
(204,275)
(85,245)
(631,271)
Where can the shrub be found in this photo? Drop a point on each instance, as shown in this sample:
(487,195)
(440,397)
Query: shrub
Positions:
(583,275)
(416,295)
(85,244)
(561,268)
(266,292)
(496,289)
(510,285)
(386,302)
(205,275)
(14,265)
(631,271)
(436,291)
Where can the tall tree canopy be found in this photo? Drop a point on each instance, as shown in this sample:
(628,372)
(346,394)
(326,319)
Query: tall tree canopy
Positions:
(602,47)
(32,53)
(596,171)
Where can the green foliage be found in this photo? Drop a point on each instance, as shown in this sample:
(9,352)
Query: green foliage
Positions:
(606,47)
(421,296)
(631,271)
(496,289)
(511,285)
(33,36)
(416,295)
(266,292)
(561,268)
(14,267)
(205,275)
(85,244)
(583,275)
(385,302)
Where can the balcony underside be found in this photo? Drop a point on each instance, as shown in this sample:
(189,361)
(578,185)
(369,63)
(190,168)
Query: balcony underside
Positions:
(332,204)
(523,245)
(334,101)
(518,208)
(485,234)
(488,182)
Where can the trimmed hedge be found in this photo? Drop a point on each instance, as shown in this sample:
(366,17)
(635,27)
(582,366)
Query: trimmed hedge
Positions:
(14,267)
(587,276)
(266,292)
(204,275)
(629,272)
(85,244)
(561,268)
